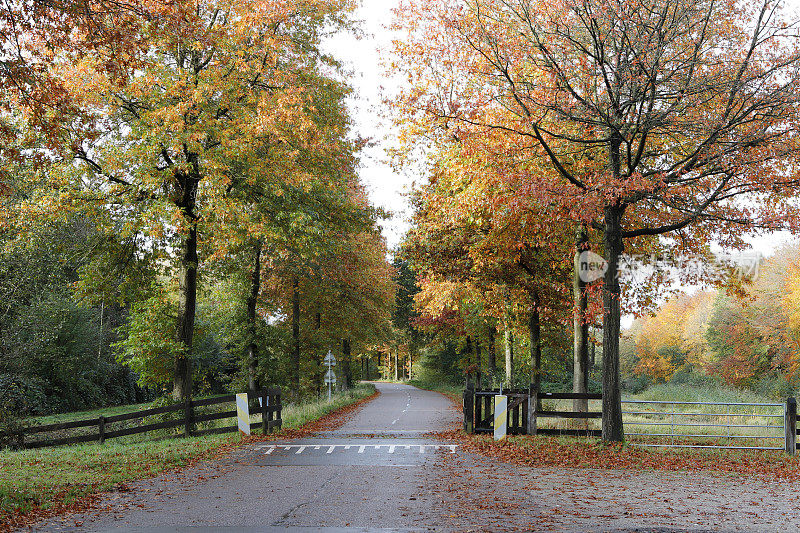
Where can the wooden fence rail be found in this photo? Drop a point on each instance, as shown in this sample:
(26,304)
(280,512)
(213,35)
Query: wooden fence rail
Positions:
(270,410)
(479,411)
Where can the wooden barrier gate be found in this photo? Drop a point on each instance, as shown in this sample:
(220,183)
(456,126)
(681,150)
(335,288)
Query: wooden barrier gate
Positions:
(522,420)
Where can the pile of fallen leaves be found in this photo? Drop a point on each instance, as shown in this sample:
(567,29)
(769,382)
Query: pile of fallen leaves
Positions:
(544,451)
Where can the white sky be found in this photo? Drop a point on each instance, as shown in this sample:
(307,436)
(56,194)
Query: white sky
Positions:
(363,56)
(386,187)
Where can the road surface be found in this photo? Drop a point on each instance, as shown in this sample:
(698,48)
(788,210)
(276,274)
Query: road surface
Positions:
(372,473)
(383,471)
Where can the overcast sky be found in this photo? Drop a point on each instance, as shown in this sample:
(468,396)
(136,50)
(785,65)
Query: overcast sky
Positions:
(387,188)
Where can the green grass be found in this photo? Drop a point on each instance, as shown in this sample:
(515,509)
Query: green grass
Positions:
(695,393)
(94,413)
(51,478)
(297,415)
(453,391)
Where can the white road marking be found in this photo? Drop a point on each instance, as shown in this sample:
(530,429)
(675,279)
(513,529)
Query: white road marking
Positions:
(390,448)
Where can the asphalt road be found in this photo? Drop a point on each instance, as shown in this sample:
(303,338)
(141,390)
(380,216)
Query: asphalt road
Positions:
(372,474)
(383,471)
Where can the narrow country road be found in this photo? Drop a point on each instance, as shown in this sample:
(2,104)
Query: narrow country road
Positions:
(370,474)
(383,471)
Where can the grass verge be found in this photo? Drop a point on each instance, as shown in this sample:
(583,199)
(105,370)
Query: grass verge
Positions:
(454,392)
(43,482)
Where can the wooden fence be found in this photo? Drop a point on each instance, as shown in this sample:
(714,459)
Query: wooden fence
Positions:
(270,410)
(522,419)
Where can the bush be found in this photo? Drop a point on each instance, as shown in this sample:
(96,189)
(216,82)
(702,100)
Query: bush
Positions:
(22,396)
(635,384)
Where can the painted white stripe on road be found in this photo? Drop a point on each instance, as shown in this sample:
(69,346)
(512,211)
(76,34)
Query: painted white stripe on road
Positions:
(329,448)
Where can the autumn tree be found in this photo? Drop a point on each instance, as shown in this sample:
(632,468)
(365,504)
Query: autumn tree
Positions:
(690,107)
(154,126)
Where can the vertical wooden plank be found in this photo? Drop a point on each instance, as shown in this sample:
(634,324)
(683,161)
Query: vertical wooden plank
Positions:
(514,417)
(524,425)
(478,410)
(101,428)
(469,407)
(790,425)
(188,414)
(279,417)
(264,410)
(533,402)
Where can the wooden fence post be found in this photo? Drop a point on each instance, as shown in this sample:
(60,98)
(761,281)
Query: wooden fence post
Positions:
(278,402)
(188,417)
(533,401)
(264,410)
(790,425)
(469,408)
(101,429)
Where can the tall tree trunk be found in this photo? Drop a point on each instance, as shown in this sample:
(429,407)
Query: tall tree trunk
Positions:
(187,280)
(468,349)
(580,351)
(411,349)
(252,300)
(478,357)
(612,400)
(396,374)
(536,345)
(321,369)
(509,357)
(295,369)
(492,350)
(348,375)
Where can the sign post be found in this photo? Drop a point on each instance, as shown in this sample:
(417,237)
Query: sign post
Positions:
(330,376)
(500,416)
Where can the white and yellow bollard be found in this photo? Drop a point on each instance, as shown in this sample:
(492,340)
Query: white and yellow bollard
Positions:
(500,416)
(243,413)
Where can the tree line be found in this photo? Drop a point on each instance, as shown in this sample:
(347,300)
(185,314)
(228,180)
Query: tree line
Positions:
(746,338)
(181,202)
(622,127)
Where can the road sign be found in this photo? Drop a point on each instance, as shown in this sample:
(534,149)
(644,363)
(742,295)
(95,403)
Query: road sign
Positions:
(330,377)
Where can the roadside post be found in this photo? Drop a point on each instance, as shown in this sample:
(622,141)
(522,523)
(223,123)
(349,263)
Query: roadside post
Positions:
(500,416)
(790,425)
(330,376)
(243,413)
